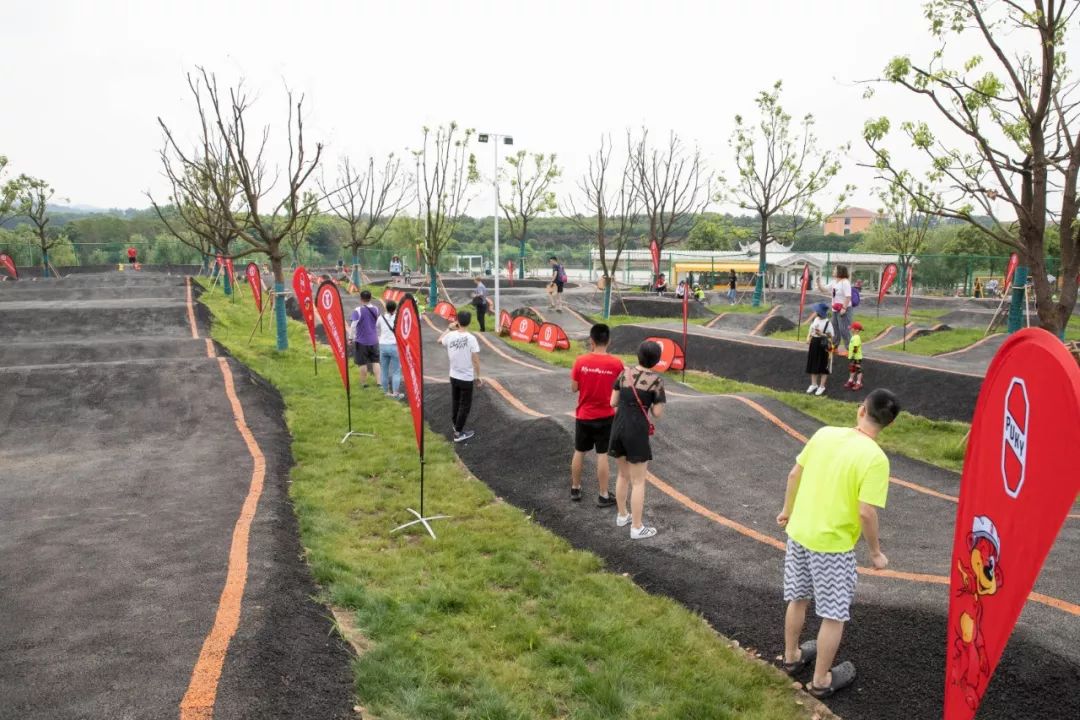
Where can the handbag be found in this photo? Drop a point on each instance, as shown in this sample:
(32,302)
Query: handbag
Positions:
(652,428)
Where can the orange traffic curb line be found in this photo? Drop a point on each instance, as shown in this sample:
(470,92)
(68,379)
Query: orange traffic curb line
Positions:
(191,310)
(972,346)
(698,508)
(198,700)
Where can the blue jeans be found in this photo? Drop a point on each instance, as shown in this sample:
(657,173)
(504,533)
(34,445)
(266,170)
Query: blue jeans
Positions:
(731,295)
(390,366)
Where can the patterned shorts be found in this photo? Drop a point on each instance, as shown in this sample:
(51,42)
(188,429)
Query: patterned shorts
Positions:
(828,578)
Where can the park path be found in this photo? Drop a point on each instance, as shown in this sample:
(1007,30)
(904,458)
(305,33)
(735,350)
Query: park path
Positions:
(148,551)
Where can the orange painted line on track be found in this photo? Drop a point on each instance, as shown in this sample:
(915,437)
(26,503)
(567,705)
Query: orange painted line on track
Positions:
(972,346)
(198,701)
(716,319)
(498,387)
(578,315)
(510,357)
(191,309)
(764,538)
(538,313)
(888,329)
(761,325)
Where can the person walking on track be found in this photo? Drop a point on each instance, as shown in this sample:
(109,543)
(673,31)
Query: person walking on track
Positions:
(558,279)
(819,339)
(637,394)
(480,302)
(592,378)
(389,362)
(365,338)
(464,353)
(833,491)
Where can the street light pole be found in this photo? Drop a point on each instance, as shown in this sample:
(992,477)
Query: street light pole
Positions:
(483,137)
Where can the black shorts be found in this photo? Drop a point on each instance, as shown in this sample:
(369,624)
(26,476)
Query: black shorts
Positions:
(366,354)
(131,260)
(589,434)
(631,441)
(395,274)
(558,286)
(855,366)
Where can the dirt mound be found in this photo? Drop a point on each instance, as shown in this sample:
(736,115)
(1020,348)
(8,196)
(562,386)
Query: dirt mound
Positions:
(661,307)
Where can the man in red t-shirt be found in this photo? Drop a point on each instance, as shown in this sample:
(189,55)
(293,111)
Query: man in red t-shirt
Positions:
(592,379)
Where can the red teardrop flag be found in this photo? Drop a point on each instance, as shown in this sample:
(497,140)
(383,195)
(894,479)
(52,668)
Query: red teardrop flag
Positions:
(407,334)
(888,277)
(1018,485)
(1014,260)
(255,281)
(328,303)
(301,282)
(654,252)
(9,265)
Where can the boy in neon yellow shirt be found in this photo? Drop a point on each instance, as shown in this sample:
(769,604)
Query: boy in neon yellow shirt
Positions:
(855,358)
(839,479)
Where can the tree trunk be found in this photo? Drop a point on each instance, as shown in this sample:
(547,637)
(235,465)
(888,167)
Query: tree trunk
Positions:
(521,261)
(763,240)
(433,286)
(45,262)
(279,301)
(227,279)
(356,267)
(607,299)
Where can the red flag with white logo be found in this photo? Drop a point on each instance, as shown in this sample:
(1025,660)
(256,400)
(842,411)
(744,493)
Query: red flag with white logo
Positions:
(888,277)
(9,265)
(803,287)
(410,351)
(255,281)
(229,270)
(301,282)
(328,303)
(1018,485)
(654,251)
(510,271)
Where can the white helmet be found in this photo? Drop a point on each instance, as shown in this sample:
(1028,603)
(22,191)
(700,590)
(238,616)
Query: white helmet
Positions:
(983,527)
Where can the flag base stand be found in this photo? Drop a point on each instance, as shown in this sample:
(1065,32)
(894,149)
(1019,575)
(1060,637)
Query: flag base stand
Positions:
(421,520)
(355,434)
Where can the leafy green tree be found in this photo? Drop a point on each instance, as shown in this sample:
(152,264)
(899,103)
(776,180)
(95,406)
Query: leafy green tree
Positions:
(1019,142)
(780,174)
(530,195)
(33,199)
(445,169)
(905,230)
(9,193)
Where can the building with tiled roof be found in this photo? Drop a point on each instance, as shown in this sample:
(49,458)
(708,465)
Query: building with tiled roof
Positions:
(851,220)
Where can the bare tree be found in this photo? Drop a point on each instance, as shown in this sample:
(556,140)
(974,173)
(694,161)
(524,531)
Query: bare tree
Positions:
(530,195)
(445,170)
(780,175)
(298,235)
(671,184)
(368,202)
(194,215)
(1019,130)
(610,209)
(33,203)
(266,214)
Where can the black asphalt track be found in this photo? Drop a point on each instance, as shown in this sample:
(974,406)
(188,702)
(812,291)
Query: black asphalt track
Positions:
(729,461)
(123,475)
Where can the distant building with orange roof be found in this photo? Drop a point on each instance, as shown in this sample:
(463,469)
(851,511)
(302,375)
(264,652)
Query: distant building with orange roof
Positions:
(851,220)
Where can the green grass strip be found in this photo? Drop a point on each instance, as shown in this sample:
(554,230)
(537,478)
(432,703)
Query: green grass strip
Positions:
(938,442)
(499,618)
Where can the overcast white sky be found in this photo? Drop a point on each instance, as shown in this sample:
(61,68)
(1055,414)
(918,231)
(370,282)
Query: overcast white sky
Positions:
(85,81)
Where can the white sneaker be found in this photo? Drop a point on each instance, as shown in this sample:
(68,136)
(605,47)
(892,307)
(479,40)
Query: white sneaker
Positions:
(622,520)
(820,390)
(810,390)
(642,532)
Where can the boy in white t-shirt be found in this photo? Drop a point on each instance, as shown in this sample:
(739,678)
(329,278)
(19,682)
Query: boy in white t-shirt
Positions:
(464,353)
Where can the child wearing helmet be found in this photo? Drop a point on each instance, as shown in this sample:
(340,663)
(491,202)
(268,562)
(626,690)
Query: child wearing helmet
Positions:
(818,358)
(855,358)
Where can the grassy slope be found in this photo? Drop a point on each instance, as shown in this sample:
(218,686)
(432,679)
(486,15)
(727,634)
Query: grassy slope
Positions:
(938,442)
(497,619)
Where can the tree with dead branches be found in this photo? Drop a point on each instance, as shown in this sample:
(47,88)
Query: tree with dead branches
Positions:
(781,173)
(297,237)
(610,208)
(194,215)
(1009,142)
(530,195)
(672,186)
(271,201)
(445,171)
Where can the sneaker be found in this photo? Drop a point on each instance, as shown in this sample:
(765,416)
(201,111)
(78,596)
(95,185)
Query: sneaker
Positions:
(558,309)
(820,390)
(642,532)
(602,501)
(848,384)
(810,390)
(575,494)
(622,520)
(463,435)
(857,386)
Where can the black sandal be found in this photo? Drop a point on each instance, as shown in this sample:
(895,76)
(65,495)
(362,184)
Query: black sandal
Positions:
(807,655)
(843,675)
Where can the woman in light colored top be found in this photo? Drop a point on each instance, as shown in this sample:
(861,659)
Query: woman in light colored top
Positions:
(389,362)
(840,291)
